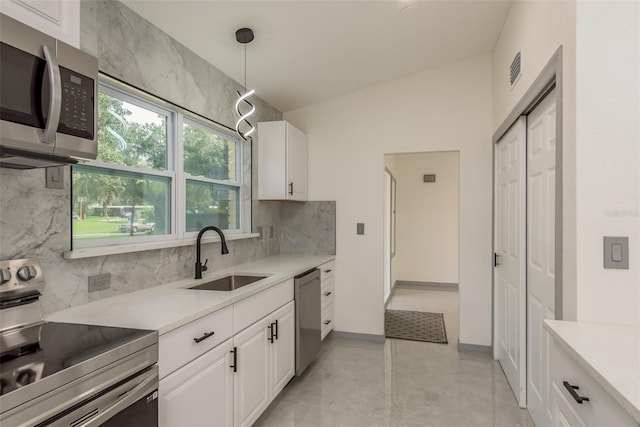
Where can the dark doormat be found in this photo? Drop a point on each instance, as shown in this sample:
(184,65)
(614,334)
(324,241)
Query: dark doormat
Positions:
(415,326)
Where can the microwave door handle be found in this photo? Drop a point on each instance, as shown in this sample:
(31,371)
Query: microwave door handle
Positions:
(55,98)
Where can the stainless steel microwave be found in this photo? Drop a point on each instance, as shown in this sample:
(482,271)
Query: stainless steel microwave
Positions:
(48,99)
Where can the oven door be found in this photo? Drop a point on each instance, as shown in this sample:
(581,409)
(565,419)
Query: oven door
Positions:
(133,402)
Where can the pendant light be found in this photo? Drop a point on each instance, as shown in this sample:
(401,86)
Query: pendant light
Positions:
(243,127)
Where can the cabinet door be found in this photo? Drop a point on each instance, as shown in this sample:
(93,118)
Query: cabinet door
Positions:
(282,350)
(200,393)
(57,18)
(251,381)
(296,164)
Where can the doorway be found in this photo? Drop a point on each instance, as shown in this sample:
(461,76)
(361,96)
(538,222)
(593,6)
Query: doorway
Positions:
(421,234)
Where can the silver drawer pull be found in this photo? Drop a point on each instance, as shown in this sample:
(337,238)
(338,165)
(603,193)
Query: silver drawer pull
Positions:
(328,271)
(326,294)
(326,322)
(204,337)
(572,391)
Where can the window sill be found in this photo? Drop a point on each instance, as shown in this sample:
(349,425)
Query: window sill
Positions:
(139,247)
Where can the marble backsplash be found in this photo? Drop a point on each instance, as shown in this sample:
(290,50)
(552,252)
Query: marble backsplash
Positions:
(35,221)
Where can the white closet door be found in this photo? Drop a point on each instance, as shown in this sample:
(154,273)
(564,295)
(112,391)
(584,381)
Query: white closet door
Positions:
(541,176)
(509,273)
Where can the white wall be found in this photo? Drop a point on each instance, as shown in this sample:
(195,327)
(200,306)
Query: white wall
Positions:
(538,29)
(608,157)
(427,216)
(444,109)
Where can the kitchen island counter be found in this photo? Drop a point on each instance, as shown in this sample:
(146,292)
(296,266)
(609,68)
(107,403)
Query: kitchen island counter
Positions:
(609,353)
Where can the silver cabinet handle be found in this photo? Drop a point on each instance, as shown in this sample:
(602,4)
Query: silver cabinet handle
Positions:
(328,271)
(55,99)
(326,294)
(326,322)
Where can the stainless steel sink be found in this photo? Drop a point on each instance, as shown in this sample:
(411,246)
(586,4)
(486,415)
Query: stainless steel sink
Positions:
(228,283)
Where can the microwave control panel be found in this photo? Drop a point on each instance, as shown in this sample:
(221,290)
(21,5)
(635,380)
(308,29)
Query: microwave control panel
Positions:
(77,112)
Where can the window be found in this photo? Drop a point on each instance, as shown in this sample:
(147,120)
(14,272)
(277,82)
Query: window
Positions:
(212,178)
(161,173)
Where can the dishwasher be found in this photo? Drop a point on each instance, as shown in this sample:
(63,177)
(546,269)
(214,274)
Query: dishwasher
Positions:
(308,338)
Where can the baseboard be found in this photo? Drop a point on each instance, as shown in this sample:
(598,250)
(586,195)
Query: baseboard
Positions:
(357,336)
(432,286)
(474,348)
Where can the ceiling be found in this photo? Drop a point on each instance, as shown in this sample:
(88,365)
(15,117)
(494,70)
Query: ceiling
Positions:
(306,51)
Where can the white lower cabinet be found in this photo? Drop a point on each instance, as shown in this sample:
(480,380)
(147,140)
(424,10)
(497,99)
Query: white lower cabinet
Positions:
(251,379)
(265,363)
(283,357)
(233,383)
(327,296)
(200,393)
(578,400)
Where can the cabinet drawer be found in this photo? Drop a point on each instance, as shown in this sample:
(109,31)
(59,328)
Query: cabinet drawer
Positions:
(601,409)
(254,308)
(326,320)
(326,270)
(179,347)
(326,294)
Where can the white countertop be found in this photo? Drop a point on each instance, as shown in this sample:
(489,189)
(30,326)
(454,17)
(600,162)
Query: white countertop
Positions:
(610,353)
(166,307)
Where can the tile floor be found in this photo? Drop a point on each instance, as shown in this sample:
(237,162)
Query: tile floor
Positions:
(399,383)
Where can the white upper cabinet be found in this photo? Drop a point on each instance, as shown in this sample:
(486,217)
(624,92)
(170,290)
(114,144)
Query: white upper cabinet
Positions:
(282,162)
(57,18)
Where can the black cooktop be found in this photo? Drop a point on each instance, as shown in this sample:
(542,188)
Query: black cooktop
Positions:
(56,347)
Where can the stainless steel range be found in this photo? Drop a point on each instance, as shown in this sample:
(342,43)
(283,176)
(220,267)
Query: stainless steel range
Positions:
(54,374)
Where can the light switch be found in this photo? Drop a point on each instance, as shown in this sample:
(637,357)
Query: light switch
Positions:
(616,252)
(360,228)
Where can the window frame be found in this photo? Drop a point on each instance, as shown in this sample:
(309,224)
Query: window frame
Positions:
(176,118)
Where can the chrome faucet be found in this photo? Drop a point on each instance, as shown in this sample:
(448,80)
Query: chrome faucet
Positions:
(224,250)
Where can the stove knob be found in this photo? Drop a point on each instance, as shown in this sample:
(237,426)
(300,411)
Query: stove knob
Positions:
(5,275)
(26,377)
(27,272)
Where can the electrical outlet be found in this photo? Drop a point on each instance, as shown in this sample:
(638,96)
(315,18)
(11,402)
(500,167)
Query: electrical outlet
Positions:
(99,282)
(360,228)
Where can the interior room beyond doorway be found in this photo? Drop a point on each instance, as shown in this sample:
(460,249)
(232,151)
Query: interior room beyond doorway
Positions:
(422,224)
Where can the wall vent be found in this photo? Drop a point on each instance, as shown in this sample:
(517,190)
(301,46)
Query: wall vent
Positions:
(515,70)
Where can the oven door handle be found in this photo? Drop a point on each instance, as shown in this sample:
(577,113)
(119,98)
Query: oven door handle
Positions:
(55,96)
(148,385)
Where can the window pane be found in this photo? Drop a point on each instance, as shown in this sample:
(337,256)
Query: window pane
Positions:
(212,204)
(209,154)
(108,203)
(131,135)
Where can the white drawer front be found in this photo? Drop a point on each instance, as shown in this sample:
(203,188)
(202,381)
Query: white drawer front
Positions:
(563,413)
(327,321)
(254,308)
(326,270)
(601,409)
(327,293)
(179,347)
